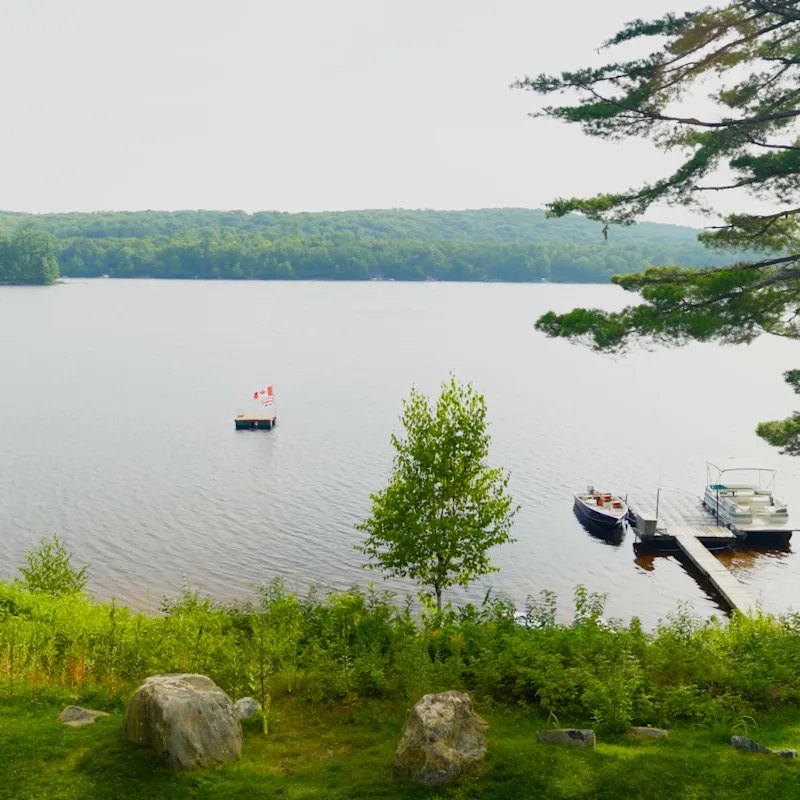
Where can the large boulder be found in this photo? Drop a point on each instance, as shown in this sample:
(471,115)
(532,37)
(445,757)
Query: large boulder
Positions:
(569,737)
(442,738)
(186,719)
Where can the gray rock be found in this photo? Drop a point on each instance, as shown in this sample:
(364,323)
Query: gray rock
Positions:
(246,708)
(442,738)
(648,733)
(749,746)
(569,737)
(75,716)
(186,719)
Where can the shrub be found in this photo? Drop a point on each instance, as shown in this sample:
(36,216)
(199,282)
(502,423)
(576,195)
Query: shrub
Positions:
(356,645)
(49,569)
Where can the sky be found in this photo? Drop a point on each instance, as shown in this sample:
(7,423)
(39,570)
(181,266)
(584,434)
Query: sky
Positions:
(302,105)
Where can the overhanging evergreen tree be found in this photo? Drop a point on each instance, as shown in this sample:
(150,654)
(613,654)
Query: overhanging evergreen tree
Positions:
(751,51)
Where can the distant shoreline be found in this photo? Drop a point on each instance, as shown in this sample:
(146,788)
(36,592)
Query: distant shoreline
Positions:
(484,246)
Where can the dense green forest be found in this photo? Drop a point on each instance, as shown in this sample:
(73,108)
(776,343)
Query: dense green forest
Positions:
(487,244)
(27,256)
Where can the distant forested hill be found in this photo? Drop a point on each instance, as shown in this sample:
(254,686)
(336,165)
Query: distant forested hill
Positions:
(504,244)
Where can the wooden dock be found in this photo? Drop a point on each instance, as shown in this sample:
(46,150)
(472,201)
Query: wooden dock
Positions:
(252,422)
(731,591)
(684,525)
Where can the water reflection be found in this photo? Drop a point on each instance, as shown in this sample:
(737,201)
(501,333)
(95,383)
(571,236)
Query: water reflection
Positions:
(613,536)
(749,560)
(743,563)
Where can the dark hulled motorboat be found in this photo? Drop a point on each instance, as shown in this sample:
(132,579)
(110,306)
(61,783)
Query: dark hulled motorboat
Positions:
(601,508)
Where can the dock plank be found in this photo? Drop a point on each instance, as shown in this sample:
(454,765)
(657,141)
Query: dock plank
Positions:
(732,591)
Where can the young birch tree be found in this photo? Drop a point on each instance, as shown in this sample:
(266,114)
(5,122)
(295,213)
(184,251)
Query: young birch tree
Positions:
(444,507)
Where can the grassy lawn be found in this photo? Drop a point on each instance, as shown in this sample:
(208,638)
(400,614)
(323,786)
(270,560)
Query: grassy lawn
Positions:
(329,753)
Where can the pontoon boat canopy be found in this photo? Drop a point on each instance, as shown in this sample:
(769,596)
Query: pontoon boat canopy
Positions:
(731,464)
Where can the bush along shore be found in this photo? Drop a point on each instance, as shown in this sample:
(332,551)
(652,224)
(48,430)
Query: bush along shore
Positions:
(336,674)
(358,645)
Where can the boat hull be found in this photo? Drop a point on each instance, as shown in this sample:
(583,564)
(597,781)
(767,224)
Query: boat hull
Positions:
(608,534)
(599,517)
(761,535)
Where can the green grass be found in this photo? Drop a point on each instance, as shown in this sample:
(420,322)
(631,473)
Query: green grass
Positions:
(326,753)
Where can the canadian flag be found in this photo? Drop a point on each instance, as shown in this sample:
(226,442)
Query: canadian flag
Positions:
(267,398)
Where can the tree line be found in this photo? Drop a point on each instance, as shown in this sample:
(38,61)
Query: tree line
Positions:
(27,257)
(518,245)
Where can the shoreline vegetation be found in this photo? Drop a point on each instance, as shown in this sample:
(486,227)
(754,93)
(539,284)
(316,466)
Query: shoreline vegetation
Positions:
(498,245)
(340,672)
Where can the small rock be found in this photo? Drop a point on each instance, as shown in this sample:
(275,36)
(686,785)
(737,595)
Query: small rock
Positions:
(186,719)
(569,737)
(441,739)
(648,733)
(75,716)
(246,707)
(749,746)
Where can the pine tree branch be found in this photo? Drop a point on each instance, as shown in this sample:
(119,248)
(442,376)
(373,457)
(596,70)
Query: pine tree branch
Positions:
(787,213)
(685,70)
(791,62)
(703,273)
(735,123)
(780,277)
(780,9)
(770,146)
(739,185)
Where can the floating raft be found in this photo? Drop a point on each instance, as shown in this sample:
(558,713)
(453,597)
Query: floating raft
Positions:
(253,422)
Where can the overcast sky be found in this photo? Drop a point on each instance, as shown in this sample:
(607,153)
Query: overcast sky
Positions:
(301,104)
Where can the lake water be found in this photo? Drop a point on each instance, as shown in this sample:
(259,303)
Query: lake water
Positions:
(117,401)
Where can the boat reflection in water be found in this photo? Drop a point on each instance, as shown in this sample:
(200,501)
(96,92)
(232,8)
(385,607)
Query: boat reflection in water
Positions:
(611,535)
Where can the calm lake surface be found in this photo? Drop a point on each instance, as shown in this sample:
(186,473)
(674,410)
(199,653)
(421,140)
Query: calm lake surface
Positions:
(117,401)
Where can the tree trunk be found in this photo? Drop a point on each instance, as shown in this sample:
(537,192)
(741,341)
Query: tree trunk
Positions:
(438,591)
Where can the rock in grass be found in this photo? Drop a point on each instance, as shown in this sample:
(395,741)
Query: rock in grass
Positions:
(648,733)
(569,737)
(75,716)
(246,708)
(749,746)
(442,738)
(186,719)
